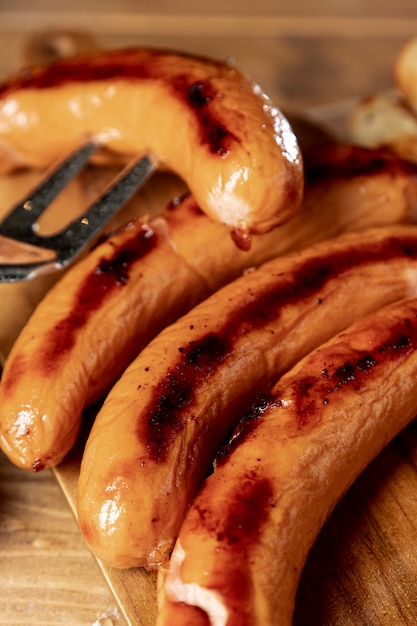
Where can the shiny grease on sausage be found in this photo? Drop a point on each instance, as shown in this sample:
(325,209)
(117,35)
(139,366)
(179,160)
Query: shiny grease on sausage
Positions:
(163,421)
(366,188)
(244,541)
(201,118)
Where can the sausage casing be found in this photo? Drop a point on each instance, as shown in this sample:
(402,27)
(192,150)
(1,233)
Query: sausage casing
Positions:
(245,539)
(364,188)
(201,118)
(157,433)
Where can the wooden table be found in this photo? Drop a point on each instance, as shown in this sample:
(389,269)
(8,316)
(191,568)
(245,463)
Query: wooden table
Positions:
(304,55)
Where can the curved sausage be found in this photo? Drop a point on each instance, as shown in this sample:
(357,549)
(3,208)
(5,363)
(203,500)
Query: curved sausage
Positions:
(347,189)
(160,426)
(201,118)
(20,299)
(245,539)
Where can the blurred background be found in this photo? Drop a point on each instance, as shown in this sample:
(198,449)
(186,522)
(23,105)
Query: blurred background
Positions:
(304,54)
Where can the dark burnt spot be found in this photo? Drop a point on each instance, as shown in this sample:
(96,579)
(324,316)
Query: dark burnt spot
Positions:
(402,342)
(198,360)
(345,373)
(157,66)
(110,273)
(244,428)
(366,363)
(353,374)
(247,512)
(117,266)
(174,393)
(128,63)
(83,69)
(248,509)
(306,399)
(199,97)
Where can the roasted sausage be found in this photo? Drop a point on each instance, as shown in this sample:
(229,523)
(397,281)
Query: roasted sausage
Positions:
(157,433)
(360,188)
(20,299)
(243,544)
(83,332)
(201,118)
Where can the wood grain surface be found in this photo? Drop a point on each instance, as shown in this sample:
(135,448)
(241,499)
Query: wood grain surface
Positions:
(363,568)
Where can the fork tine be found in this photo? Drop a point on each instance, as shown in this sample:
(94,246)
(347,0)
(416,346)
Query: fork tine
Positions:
(18,224)
(72,240)
(81,231)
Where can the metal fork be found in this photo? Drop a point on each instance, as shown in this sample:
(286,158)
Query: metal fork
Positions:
(18,231)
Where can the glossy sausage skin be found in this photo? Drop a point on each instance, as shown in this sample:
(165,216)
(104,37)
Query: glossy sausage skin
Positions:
(365,188)
(244,542)
(201,118)
(159,429)
(82,333)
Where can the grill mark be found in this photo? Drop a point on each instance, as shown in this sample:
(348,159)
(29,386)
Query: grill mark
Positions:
(310,394)
(109,274)
(176,392)
(248,508)
(244,428)
(347,162)
(198,96)
(246,513)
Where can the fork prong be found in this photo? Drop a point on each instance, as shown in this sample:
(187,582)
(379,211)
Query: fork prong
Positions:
(66,245)
(81,231)
(18,224)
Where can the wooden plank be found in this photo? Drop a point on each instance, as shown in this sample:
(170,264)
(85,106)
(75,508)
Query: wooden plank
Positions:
(47,576)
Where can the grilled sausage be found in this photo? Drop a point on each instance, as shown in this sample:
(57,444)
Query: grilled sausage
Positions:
(347,188)
(20,299)
(201,118)
(160,426)
(243,544)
